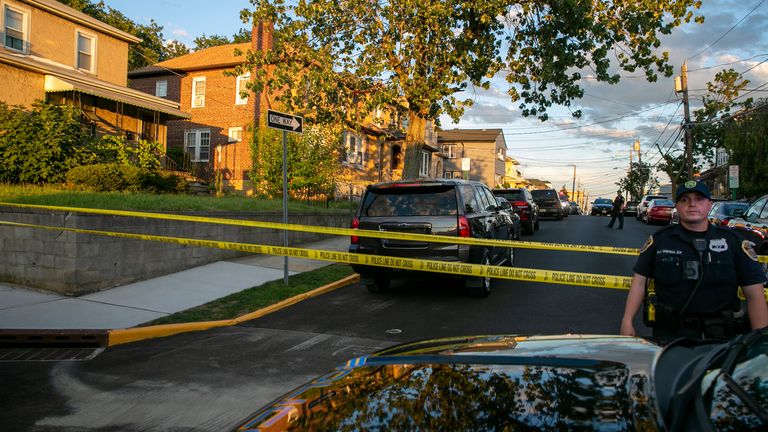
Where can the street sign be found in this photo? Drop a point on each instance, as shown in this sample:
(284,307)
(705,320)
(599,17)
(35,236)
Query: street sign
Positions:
(286,122)
(465,164)
(733,176)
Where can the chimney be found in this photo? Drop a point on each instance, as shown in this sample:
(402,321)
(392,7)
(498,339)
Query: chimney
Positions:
(261,36)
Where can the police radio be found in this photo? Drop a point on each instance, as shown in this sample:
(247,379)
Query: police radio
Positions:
(649,303)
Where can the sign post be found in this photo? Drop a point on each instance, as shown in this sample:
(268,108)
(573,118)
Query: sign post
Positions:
(286,123)
(733,179)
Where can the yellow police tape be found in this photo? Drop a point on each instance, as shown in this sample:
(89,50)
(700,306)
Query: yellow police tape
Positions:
(462,269)
(393,235)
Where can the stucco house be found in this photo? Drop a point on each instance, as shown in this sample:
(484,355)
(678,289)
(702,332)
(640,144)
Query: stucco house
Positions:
(51,52)
(483,150)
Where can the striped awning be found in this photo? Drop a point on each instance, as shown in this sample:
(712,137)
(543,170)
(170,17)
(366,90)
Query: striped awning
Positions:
(55,84)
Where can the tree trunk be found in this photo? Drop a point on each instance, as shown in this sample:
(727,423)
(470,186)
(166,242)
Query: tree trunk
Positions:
(414,143)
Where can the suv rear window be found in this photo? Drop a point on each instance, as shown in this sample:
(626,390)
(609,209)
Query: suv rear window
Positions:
(410,201)
(544,194)
(511,195)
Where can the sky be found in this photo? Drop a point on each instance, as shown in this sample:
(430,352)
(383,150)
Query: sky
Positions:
(614,116)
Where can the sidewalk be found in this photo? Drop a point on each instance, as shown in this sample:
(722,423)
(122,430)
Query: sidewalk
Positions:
(139,302)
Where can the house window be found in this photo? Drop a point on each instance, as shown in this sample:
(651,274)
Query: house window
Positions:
(198,92)
(15,29)
(449,151)
(197,143)
(242,80)
(85,49)
(426,160)
(354,149)
(235,134)
(500,153)
(161,88)
(452,174)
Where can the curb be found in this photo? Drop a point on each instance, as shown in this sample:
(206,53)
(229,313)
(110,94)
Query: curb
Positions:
(123,336)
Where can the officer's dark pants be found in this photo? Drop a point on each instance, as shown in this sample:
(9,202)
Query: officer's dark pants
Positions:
(620,215)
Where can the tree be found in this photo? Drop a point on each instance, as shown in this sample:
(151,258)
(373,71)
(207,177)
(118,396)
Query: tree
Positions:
(203,42)
(638,180)
(175,49)
(149,51)
(334,61)
(744,138)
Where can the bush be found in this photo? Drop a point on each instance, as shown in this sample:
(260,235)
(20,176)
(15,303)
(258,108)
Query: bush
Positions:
(116,177)
(107,177)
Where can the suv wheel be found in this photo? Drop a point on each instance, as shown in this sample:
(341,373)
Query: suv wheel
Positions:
(379,284)
(529,227)
(485,283)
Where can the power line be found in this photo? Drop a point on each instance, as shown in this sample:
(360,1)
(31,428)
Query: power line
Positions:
(729,30)
(730,63)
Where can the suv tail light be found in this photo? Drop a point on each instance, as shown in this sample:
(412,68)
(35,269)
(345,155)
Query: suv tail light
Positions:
(520,204)
(355,225)
(464,230)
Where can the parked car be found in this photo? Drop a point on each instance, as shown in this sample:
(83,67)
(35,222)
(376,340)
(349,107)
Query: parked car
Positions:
(659,210)
(524,205)
(514,218)
(556,382)
(631,208)
(644,204)
(602,206)
(448,207)
(722,211)
(549,203)
(575,208)
(753,224)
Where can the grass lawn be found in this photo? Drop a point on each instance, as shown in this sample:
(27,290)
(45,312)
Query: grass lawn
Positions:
(60,196)
(252,299)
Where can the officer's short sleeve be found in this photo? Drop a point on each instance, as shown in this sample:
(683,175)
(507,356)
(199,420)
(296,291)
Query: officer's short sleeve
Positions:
(747,266)
(644,264)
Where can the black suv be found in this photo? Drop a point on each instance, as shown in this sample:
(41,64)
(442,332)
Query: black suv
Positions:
(436,206)
(549,203)
(524,206)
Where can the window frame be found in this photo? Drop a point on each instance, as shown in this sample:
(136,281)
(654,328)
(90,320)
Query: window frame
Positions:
(238,88)
(354,149)
(195,83)
(426,162)
(25,17)
(94,43)
(197,145)
(451,151)
(164,86)
(234,129)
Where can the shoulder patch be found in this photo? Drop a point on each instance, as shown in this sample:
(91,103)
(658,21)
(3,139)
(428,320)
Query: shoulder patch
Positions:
(749,249)
(647,244)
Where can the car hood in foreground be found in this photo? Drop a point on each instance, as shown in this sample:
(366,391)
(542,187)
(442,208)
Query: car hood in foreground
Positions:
(480,383)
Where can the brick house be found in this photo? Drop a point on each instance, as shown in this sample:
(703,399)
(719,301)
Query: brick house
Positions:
(486,150)
(51,52)
(217,135)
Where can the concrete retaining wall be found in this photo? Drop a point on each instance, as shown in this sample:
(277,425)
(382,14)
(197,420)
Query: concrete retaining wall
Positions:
(75,264)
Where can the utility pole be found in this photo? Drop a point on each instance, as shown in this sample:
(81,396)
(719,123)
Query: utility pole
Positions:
(573,186)
(681,86)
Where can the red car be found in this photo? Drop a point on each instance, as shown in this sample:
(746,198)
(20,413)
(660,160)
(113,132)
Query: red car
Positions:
(659,211)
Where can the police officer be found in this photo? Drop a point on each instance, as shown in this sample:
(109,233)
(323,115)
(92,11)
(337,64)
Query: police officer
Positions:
(695,269)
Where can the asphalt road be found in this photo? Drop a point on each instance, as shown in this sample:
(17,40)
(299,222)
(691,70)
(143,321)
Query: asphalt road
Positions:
(212,380)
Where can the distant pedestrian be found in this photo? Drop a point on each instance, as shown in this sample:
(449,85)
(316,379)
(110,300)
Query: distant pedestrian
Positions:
(617,211)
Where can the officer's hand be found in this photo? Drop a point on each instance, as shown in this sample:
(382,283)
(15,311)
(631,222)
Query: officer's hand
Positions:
(627,329)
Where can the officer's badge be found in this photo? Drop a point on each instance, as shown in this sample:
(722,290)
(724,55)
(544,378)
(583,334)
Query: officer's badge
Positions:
(718,245)
(749,249)
(647,244)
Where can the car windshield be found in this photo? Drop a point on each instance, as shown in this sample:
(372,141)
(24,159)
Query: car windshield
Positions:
(411,201)
(603,201)
(728,209)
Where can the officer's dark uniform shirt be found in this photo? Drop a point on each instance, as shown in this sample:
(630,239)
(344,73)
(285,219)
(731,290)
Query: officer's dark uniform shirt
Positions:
(728,262)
